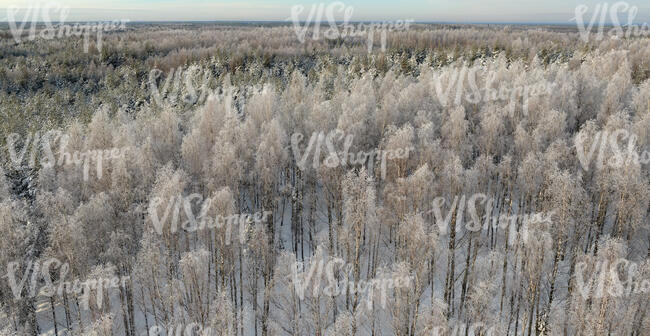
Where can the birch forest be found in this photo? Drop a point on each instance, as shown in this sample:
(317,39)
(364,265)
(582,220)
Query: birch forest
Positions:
(230,179)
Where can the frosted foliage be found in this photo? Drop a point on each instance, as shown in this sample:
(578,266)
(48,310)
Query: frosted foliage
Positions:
(207,122)
(486,175)
(358,108)
(271,153)
(413,233)
(222,321)
(164,137)
(454,132)
(359,207)
(342,326)
(12,220)
(101,327)
(100,131)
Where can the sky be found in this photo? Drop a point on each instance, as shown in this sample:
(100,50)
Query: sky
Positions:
(461,11)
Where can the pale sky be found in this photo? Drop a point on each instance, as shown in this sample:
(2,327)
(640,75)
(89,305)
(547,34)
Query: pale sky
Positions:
(509,11)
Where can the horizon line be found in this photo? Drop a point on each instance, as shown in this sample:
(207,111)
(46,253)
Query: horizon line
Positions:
(568,23)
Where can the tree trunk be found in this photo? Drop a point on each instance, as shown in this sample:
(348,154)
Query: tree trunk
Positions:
(451,264)
(56,327)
